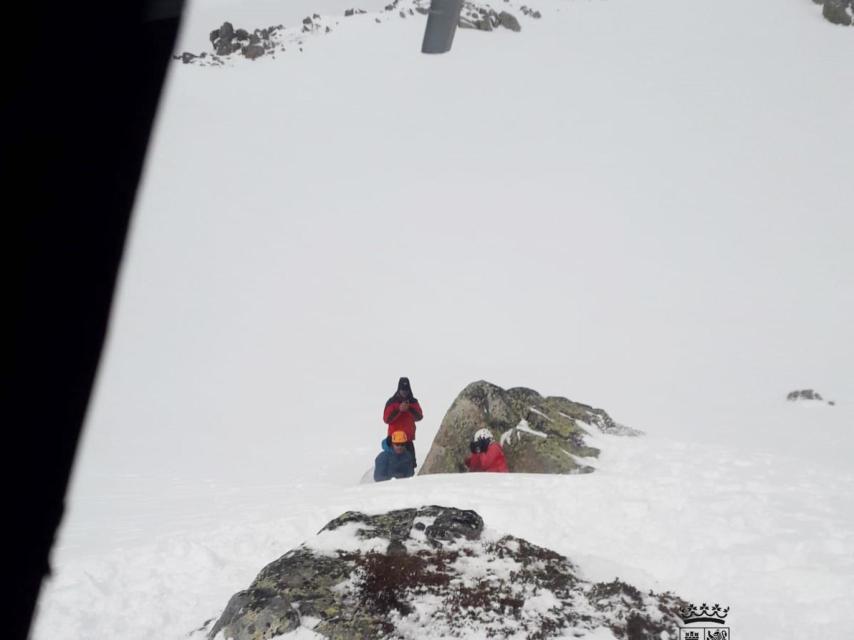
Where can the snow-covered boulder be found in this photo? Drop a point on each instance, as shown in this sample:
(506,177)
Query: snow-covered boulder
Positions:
(539,434)
(434,572)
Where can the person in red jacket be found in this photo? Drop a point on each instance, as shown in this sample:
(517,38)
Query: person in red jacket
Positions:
(401,413)
(486,454)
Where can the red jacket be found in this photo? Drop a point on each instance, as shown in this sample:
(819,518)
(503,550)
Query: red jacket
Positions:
(492,460)
(398,420)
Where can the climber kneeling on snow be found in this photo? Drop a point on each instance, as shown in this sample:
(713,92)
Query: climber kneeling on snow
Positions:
(486,454)
(396,462)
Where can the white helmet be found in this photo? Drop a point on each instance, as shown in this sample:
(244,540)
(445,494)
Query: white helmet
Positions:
(482,434)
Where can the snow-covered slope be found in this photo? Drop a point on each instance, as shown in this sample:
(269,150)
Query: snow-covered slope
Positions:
(767,536)
(630,203)
(640,205)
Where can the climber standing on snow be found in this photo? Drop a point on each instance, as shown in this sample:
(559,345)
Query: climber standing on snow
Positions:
(401,413)
(486,454)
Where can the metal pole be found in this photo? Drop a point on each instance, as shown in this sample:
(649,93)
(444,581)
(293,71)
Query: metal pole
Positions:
(441,25)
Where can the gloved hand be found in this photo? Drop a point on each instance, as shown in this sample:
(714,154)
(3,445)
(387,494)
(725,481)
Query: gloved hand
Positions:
(473,446)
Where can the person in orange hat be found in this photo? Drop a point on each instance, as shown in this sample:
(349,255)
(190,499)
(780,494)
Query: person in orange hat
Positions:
(396,462)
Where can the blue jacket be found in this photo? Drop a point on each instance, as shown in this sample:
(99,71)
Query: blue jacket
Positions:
(390,465)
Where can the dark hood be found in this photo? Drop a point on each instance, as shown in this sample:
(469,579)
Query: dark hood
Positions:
(404,390)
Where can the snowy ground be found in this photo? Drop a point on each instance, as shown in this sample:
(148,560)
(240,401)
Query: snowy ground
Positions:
(640,205)
(769,536)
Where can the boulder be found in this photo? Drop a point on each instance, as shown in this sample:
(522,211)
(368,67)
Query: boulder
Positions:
(484,24)
(509,21)
(221,39)
(539,435)
(434,572)
(226,31)
(253,51)
(835,11)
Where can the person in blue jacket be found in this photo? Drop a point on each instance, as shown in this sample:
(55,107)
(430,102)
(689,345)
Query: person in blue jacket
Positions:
(395,463)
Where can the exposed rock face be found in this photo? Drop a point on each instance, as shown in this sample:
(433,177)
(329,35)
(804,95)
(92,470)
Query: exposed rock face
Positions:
(434,572)
(539,435)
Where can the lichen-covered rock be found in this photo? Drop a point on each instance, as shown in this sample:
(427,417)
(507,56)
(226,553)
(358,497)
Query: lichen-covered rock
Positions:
(539,435)
(434,572)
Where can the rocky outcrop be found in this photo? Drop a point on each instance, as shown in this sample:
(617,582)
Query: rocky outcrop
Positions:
(539,435)
(836,12)
(226,41)
(840,12)
(807,395)
(434,572)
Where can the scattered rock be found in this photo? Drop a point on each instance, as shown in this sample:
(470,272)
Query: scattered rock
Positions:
(228,40)
(438,568)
